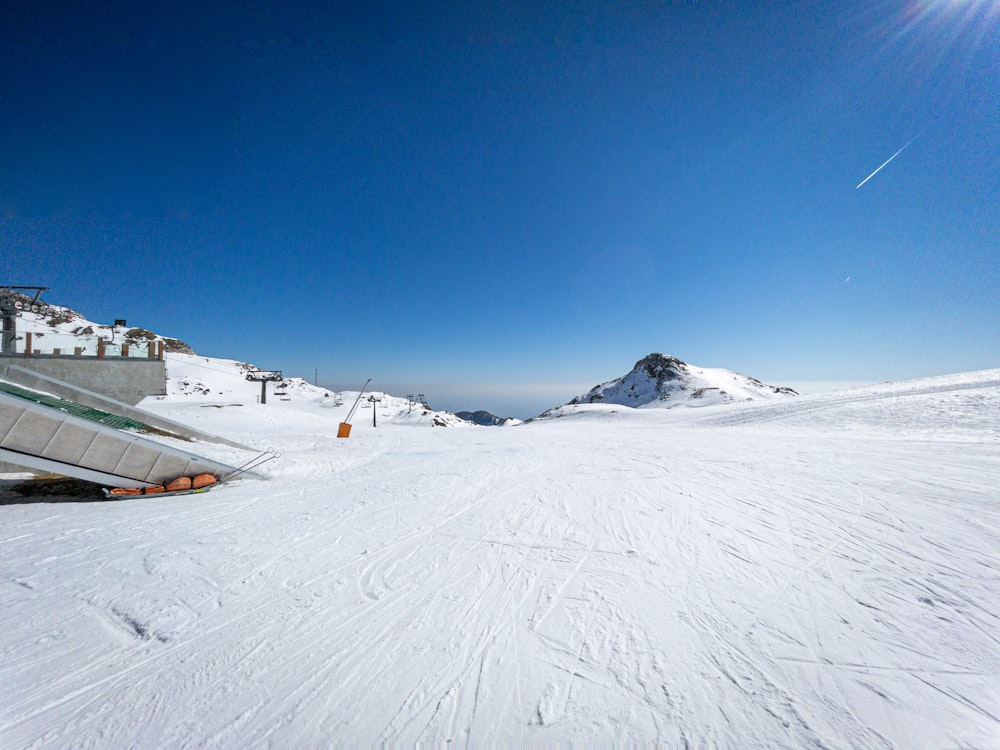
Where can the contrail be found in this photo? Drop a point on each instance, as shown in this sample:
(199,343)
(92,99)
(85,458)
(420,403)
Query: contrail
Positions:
(887,161)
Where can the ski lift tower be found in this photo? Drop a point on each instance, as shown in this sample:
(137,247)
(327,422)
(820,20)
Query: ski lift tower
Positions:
(9,306)
(264,377)
(375,400)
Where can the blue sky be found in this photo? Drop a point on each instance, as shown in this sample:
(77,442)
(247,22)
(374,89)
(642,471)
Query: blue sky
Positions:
(503,204)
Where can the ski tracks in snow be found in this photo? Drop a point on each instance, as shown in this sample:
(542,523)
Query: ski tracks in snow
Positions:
(618,583)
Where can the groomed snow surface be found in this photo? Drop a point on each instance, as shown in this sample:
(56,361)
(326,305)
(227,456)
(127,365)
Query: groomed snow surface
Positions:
(819,572)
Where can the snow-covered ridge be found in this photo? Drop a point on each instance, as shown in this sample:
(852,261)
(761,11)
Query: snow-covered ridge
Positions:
(212,382)
(57,326)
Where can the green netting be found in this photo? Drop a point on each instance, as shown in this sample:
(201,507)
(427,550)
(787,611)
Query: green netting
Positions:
(77,410)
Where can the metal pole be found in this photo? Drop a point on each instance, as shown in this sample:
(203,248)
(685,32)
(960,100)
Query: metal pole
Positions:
(9,329)
(357,401)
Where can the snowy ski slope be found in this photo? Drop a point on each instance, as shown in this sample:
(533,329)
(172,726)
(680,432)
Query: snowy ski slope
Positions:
(819,572)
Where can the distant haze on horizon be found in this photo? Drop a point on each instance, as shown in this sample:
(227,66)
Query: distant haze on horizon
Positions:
(517,199)
(521,400)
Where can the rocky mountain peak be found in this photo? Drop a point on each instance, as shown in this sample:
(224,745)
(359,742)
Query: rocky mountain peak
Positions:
(661,367)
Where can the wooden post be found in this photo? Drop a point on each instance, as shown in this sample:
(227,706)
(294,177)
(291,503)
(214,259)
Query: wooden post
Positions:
(160,350)
(100,348)
(57,350)
(27,344)
(151,349)
(124,350)
(78,351)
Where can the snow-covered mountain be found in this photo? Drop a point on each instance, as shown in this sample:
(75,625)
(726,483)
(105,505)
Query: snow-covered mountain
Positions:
(662,381)
(658,380)
(484,418)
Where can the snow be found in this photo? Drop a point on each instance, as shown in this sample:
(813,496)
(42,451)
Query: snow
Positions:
(820,571)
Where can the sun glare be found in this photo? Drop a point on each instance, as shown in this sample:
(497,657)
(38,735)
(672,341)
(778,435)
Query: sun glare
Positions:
(927,34)
(969,20)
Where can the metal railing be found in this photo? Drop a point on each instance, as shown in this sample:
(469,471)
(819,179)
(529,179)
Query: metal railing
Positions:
(34,344)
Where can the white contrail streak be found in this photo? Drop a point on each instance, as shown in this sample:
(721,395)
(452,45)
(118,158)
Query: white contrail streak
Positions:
(887,161)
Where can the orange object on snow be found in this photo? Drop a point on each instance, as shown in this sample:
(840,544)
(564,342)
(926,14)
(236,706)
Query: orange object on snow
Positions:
(178,485)
(202,480)
(181,483)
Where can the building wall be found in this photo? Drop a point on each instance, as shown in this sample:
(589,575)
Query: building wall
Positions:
(124,379)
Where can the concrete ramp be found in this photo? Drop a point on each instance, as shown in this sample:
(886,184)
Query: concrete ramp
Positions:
(40,437)
(61,389)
